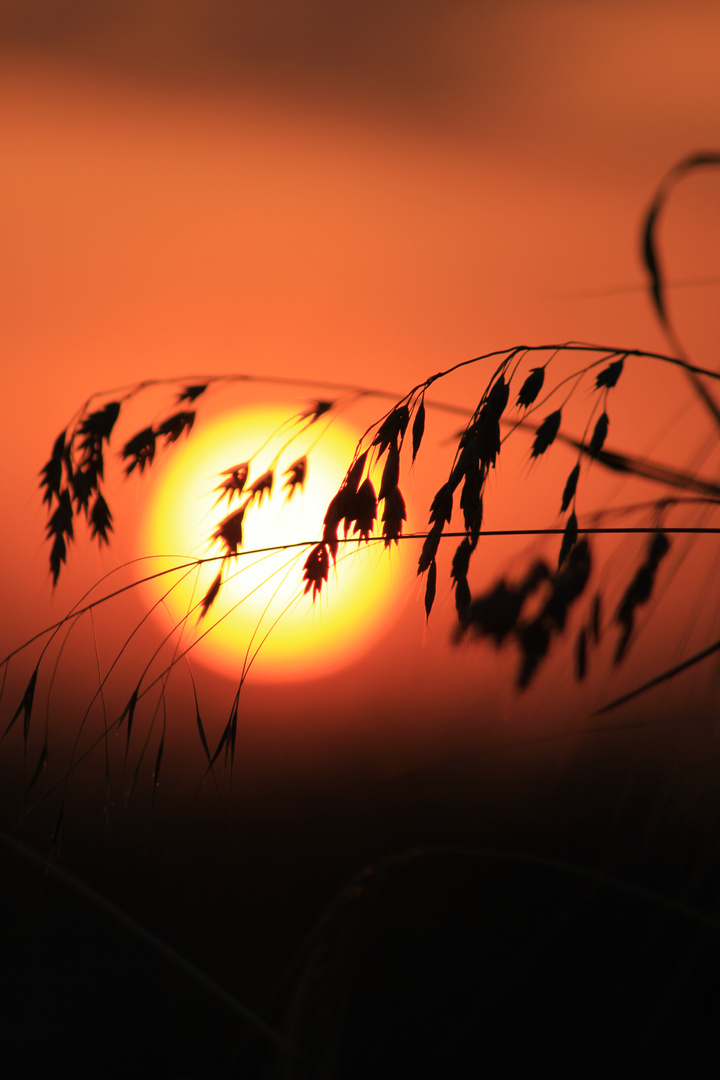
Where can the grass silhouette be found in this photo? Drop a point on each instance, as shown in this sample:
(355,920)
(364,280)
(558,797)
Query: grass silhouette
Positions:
(542,395)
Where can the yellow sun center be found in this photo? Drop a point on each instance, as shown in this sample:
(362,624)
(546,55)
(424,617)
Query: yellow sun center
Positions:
(261,616)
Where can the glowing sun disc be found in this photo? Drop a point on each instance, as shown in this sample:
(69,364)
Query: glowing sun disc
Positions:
(261,613)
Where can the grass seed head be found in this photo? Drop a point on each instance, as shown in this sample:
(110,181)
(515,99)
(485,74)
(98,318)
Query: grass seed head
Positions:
(296,475)
(599,435)
(229,531)
(570,488)
(365,511)
(531,387)
(235,480)
(315,571)
(394,513)
(609,376)
(418,429)
(140,450)
(211,594)
(262,486)
(545,434)
(392,428)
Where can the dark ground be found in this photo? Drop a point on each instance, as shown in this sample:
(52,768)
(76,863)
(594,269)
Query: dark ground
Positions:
(539,910)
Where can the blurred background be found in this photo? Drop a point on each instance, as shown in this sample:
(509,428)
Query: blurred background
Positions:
(361,193)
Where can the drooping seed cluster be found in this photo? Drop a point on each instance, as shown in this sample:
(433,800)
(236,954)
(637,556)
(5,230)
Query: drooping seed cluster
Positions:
(72,479)
(72,483)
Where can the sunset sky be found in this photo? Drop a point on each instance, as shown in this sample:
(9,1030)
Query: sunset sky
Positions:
(358,193)
(366,194)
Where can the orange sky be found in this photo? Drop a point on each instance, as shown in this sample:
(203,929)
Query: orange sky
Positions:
(364,199)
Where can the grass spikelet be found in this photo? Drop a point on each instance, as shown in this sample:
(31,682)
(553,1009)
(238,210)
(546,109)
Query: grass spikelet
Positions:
(61,521)
(498,397)
(51,473)
(430,546)
(599,435)
(83,483)
(191,393)
(100,520)
(262,486)
(461,560)
(175,425)
(639,591)
(471,501)
(296,476)
(534,641)
(486,437)
(235,481)
(335,513)
(58,555)
(140,450)
(365,509)
(418,429)
(531,387)
(658,548)
(229,531)
(442,504)
(570,488)
(430,586)
(609,376)
(316,410)
(58,527)
(392,428)
(391,472)
(567,585)
(355,472)
(546,432)
(495,613)
(394,513)
(211,595)
(99,425)
(316,568)
(569,539)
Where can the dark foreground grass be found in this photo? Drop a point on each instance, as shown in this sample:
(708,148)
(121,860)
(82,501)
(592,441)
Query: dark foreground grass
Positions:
(504,914)
(556,908)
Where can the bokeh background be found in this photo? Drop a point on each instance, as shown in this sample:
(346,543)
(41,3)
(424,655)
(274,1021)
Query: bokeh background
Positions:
(364,193)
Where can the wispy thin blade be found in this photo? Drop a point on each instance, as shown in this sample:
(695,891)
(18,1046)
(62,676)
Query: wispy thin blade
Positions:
(201,730)
(649,243)
(25,707)
(656,281)
(129,712)
(664,677)
(158,761)
(649,253)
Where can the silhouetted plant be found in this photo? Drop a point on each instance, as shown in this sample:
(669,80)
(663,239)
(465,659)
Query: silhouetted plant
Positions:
(518,400)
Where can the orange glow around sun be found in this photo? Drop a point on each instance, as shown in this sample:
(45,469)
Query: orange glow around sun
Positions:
(262,616)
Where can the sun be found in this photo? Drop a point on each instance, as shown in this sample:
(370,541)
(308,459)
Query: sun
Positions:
(262,620)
